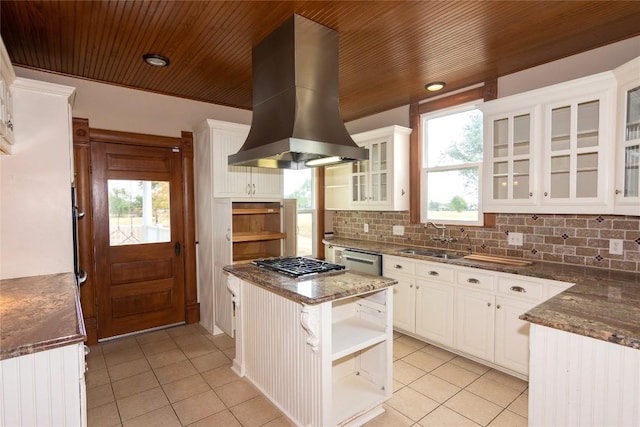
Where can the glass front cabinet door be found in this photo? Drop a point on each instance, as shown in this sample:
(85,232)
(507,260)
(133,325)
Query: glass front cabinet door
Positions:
(577,141)
(509,159)
(382,182)
(627,189)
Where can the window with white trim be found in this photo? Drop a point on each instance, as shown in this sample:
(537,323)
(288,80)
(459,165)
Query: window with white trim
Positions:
(451,171)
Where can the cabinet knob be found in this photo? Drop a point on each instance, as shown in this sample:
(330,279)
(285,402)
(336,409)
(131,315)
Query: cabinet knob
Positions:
(433,273)
(530,194)
(618,191)
(474,281)
(398,266)
(249,189)
(410,286)
(488,304)
(546,194)
(417,287)
(498,306)
(254,189)
(518,289)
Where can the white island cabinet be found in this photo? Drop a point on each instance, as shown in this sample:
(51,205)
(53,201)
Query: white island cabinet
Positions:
(322,364)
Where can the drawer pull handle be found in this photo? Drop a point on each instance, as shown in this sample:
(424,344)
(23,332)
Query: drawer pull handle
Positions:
(397,266)
(518,289)
(474,281)
(433,273)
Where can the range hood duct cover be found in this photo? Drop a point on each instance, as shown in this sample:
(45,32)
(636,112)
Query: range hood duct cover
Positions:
(296,110)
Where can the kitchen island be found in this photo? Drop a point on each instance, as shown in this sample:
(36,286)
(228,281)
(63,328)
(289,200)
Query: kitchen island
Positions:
(320,348)
(42,352)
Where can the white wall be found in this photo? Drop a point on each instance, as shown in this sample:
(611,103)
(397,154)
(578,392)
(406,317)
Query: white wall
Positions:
(129,110)
(583,64)
(35,184)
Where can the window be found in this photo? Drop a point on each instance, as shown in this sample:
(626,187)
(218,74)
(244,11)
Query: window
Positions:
(300,185)
(452,166)
(139,212)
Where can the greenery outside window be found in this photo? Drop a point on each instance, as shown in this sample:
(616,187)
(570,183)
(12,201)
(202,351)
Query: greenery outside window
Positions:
(452,166)
(299,184)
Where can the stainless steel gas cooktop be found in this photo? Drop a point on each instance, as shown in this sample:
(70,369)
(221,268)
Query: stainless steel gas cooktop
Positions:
(297,266)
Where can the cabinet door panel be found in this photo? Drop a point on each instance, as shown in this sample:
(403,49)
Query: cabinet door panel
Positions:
(404,315)
(512,335)
(267,183)
(229,181)
(434,312)
(475,316)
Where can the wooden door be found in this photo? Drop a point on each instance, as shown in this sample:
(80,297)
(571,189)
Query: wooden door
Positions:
(138,237)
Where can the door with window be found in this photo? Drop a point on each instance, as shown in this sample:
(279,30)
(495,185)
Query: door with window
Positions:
(138,237)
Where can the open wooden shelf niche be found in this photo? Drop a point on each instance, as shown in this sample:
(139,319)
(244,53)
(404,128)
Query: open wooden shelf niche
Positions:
(257,230)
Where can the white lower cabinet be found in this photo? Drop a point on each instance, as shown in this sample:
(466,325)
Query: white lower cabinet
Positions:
(404,292)
(434,302)
(512,334)
(470,311)
(475,319)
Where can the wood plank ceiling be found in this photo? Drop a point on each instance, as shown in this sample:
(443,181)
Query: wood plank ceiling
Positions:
(388,49)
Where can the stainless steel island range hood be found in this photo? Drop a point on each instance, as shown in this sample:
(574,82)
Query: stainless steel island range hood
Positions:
(296,113)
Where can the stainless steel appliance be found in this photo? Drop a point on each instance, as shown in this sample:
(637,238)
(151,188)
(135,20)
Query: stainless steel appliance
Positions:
(365,262)
(297,266)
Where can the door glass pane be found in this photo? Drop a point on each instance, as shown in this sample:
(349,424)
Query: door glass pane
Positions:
(375,157)
(560,127)
(560,177)
(500,137)
(588,124)
(587,177)
(139,212)
(383,187)
(375,187)
(631,171)
(521,132)
(500,171)
(633,115)
(521,179)
(383,156)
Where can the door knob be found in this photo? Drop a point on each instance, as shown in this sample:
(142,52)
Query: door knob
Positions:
(177,248)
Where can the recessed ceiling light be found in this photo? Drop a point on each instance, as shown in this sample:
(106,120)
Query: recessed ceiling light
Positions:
(156,60)
(435,86)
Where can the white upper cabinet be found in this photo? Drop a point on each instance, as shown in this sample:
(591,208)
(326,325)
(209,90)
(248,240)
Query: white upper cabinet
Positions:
(382,182)
(509,159)
(627,188)
(238,182)
(550,150)
(578,145)
(7,76)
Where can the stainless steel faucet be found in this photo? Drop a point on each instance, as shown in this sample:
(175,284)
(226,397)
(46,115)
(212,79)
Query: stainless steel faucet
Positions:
(443,238)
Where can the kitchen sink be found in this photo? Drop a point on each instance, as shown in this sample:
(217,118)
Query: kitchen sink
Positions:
(430,253)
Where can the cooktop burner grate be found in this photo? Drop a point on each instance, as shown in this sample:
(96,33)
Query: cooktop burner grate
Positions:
(297,266)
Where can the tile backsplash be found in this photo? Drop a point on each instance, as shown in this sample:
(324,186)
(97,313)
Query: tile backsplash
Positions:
(570,239)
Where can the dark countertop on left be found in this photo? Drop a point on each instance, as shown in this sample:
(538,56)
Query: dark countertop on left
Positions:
(314,289)
(39,313)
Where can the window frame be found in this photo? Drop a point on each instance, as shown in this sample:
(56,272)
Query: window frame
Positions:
(486,91)
(425,169)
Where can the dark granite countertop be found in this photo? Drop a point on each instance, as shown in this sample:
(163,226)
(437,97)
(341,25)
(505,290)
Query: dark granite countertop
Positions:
(39,313)
(311,290)
(602,304)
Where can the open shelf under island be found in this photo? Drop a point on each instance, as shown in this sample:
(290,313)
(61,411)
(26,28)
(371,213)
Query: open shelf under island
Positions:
(319,348)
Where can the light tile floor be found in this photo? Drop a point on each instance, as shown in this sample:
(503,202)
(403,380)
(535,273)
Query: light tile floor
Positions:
(182,377)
